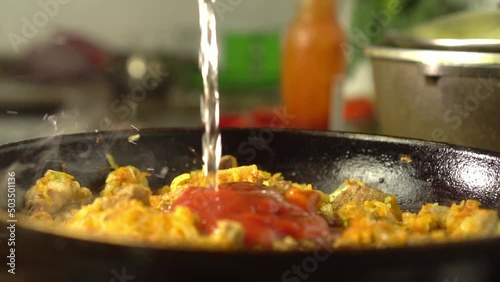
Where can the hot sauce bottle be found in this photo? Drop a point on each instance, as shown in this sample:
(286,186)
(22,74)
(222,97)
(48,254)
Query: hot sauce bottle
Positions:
(312,60)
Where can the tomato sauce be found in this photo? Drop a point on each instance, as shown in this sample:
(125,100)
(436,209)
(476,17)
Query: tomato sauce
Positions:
(265,214)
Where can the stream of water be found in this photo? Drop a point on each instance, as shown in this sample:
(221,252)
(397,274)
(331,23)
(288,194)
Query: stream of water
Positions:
(209,104)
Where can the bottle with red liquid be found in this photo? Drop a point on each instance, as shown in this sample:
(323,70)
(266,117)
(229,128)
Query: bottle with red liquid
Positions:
(312,61)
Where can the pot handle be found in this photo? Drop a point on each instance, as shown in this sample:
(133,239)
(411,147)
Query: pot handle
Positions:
(436,70)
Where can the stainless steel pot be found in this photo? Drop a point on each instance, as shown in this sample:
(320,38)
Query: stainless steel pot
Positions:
(439,95)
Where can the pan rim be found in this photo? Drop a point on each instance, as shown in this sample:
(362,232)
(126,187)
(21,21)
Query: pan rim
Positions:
(470,244)
(380,138)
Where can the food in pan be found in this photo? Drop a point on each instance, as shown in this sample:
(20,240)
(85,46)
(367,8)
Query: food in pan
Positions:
(252,209)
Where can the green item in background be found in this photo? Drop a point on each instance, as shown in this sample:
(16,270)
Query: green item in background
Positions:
(252,62)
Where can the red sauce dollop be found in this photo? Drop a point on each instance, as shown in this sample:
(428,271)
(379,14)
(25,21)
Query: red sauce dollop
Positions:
(265,214)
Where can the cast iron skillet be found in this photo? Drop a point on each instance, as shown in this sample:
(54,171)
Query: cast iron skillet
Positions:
(436,173)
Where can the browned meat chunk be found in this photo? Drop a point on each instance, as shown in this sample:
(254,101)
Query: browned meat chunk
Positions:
(359,192)
(54,191)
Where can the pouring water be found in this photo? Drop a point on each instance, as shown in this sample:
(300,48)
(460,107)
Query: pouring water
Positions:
(209,106)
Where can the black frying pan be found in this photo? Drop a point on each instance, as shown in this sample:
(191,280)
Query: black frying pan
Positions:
(436,173)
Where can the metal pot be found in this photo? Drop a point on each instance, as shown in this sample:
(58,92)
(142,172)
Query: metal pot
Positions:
(440,80)
(438,95)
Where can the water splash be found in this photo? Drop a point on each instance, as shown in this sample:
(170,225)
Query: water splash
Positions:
(209,106)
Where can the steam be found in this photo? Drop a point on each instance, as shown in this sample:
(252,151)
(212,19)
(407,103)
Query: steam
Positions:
(85,109)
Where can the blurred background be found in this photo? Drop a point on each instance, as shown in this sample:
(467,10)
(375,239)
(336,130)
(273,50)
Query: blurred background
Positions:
(74,66)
